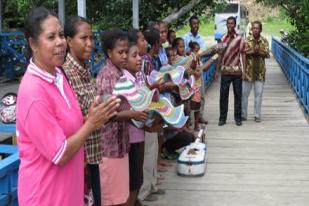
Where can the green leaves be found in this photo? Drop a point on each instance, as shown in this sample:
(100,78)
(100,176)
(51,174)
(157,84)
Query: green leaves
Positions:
(106,14)
(297,10)
(14,11)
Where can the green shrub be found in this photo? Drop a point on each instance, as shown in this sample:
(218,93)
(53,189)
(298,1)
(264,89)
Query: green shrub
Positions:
(270,19)
(297,11)
(299,41)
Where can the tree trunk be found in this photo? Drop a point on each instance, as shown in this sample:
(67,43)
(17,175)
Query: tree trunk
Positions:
(185,9)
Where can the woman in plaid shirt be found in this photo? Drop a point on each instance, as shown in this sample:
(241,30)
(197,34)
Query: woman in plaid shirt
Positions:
(78,34)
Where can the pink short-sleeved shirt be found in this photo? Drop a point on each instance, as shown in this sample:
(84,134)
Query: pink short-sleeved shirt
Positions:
(47,114)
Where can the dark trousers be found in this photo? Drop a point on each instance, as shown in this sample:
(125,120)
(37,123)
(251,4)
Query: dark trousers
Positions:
(181,139)
(94,180)
(136,161)
(226,80)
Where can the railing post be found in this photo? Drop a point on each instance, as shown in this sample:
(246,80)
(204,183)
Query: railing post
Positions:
(135,10)
(61,10)
(81,8)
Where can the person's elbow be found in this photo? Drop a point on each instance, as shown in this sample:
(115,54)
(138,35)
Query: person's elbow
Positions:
(62,156)
(63,160)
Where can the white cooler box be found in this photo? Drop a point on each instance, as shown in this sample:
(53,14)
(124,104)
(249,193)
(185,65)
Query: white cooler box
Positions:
(192,160)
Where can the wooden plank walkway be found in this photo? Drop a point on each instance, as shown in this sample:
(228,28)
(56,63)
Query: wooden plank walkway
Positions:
(257,164)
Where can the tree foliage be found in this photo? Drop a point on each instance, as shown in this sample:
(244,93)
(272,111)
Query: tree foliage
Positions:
(15,11)
(118,13)
(298,12)
(107,13)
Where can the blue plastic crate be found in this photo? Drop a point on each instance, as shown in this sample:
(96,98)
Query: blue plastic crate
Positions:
(7,128)
(4,199)
(13,200)
(9,199)
(8,169)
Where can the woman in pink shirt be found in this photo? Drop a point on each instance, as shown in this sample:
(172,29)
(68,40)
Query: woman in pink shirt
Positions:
(51,130)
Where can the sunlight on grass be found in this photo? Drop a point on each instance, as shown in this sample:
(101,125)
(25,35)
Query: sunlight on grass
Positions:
(271,26)
(206,29)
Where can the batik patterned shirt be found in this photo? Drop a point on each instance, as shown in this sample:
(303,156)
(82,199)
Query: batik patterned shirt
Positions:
(230,59)
(255,67)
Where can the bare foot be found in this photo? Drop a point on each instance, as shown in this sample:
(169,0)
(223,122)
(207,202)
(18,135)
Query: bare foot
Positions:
(161,168)
(196,127)
(165,163)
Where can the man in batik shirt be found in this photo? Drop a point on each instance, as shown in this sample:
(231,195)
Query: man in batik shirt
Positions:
(231,64)
(257,50)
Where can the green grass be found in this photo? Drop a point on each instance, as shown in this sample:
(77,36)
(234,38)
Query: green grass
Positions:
(271,26)
(206,29)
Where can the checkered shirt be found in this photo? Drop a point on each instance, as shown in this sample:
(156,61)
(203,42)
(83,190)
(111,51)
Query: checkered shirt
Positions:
(84,86)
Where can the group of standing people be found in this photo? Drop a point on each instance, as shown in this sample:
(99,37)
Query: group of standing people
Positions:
(61,109)
(242,63)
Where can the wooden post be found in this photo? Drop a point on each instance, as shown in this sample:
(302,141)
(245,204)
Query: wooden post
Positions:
(135,9)
(61,11)
(81,8)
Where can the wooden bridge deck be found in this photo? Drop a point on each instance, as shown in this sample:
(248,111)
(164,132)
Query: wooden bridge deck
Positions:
(257,164)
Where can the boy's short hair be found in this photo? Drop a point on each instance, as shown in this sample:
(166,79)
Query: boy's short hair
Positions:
(257,22)
(133,35)
(231,18)
(193,17)
(70,25)
(109,39)
(175,43)
(152,36)
(192,44)
(150,25)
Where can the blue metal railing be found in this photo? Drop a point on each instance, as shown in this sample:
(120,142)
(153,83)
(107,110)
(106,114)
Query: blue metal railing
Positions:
(13,60)
(12,54)
(9,163)
(209,74)
(296,68)
(97,55)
